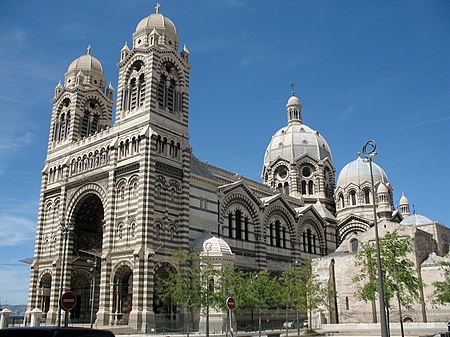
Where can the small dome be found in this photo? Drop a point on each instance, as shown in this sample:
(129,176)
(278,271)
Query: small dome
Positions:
(215,246)
(157,21)
(382,189)
(210,245)
(293,101)
(295,140)
(358,171)
(416,219)
(86,62)
(404,200)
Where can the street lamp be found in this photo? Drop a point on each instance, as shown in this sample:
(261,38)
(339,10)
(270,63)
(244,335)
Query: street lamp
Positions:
(369,152)
(93,270)
(66,228)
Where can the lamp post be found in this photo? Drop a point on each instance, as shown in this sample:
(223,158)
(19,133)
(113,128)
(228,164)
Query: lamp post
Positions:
(66,228)
(369,152)
(208,247)
(93,270)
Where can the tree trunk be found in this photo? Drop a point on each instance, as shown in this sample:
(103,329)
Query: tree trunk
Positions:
(259,323)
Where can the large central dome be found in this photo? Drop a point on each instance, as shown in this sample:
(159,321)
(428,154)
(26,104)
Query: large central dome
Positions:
(296,139)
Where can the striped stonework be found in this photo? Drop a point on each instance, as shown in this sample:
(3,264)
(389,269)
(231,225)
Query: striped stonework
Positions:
(130,193)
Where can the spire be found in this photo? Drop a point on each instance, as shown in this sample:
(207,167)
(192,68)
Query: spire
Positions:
(294,107)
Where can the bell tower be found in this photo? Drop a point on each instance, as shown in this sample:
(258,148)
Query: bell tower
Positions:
(83,105)
(154,78)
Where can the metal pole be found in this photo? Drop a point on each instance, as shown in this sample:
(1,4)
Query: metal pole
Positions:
(64,232)
(369,152)
(93,291)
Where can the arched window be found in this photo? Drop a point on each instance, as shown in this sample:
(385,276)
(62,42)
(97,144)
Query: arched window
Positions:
(238,219)
(354,245)
(303,187)
(310,187)
(367,196)
(230,225)
(142,86)
(341,201)
(286,188)
(168,96)
(353,198)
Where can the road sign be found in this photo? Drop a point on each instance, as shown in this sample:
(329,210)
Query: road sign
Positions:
(231,303)
(68,301)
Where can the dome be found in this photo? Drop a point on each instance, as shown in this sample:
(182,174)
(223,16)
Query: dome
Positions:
(416,219)
(210,245)
(215,246)
(86,62)
(358,171)
(157,21)
(382,189)
(293,100)
(295,140)
(404,200)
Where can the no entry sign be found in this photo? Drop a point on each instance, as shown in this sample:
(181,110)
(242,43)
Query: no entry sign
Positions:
(231,303)
(68,301)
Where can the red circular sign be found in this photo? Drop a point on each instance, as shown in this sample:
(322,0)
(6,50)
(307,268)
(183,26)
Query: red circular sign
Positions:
(231,303)
(68,300)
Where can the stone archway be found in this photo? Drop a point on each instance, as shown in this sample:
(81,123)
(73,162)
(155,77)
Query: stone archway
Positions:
(44,292)
(122,295)
(87,241)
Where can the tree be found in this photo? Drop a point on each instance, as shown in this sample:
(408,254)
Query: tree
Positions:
(441,293)
(258,291)
(316,292)
(293,295)
(400,277)
(184,283)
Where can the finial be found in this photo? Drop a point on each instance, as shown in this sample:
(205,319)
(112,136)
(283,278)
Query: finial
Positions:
(157,7)
(89,49)
(359,154)
(292,86)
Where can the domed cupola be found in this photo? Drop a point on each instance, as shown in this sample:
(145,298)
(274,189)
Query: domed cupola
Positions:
(354,195)
(298,159)
(86,71)
(294,109)
(156,30)
(404,205)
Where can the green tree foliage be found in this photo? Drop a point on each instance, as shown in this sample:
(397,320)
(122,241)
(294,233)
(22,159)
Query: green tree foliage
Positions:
(183,284)
(301,291)
(441,294)
(400,276)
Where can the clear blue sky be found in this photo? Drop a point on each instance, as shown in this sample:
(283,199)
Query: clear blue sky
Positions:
(363,70)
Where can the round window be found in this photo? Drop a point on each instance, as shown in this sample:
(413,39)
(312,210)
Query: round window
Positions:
(282,172)
(306,172)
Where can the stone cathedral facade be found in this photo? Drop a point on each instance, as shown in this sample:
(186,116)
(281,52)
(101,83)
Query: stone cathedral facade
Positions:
(127,194)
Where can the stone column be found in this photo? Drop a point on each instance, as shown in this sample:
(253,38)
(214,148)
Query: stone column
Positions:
(4,318)
(36,315)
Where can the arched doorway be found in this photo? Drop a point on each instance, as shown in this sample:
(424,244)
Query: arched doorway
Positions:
(86,255)
(122,295)
(45,285)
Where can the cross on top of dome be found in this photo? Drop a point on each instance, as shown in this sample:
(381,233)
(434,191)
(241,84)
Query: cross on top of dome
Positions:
(157,7)
(292,86)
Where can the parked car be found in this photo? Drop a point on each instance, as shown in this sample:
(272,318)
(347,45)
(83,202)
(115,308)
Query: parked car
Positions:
(290,324)
(305,323)
(54,331)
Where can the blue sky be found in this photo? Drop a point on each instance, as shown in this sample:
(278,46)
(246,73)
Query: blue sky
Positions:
(363,70)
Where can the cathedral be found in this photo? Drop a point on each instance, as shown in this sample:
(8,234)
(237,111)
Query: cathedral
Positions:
(118,197)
